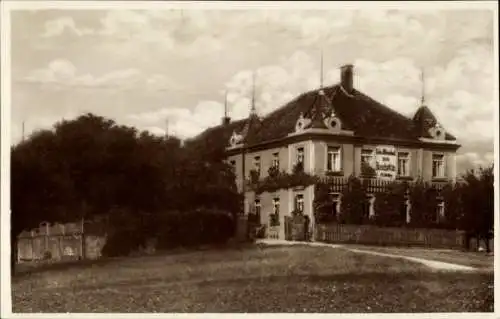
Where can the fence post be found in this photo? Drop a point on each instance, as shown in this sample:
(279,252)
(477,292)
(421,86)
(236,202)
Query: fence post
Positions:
(82,238)
(32,240)
(46,241)
(59,245)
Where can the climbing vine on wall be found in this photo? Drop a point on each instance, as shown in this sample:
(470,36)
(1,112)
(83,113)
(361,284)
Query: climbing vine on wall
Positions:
(277,180)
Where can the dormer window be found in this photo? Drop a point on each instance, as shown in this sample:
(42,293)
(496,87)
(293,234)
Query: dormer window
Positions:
(235,139)
(333,122)
(437,132)
(301,124)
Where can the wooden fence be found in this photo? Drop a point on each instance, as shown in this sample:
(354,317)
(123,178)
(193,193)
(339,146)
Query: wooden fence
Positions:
(385,236)
(60,242)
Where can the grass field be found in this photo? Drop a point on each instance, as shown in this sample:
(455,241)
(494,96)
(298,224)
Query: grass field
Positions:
(271,279)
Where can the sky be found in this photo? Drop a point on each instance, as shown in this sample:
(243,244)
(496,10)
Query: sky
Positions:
(145,68)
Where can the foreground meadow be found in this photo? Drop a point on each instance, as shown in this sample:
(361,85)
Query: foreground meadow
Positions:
(255,279)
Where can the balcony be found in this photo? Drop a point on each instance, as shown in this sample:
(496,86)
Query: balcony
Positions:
(373,184)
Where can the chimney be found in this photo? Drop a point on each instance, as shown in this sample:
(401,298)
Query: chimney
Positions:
(346,77)
(226,120)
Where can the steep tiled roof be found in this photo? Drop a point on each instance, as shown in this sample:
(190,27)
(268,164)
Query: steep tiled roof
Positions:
(424,120)
(216,135)
(358,113)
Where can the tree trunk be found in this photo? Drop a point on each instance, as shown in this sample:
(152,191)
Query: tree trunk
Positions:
(13,254)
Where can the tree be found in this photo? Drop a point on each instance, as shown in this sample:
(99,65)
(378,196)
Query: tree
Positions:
(41,189)
(90,166)
(83,168)
(478,203)
(390,205)
(423,199)
(454,206)
(322,205)
(354,201)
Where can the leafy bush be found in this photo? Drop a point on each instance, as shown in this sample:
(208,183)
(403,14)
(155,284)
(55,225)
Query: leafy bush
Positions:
(254,177)
(389,206)
(423,198)
(274,220)
(298,168)
(353,202)
(260,231)
(454,206)
(126,234)
(478,204)
(194,228)
(283,180)
(322,204)
(273,171)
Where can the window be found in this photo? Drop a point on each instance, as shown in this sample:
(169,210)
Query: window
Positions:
(257,208)
(276,160)
(333,159)
(233,165)
(256,164)
(275,216)
(440,211)
(299,202)
(276,206)
(300,155)
(403,164)
(437,165)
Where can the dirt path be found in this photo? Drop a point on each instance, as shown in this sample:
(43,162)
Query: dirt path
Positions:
(439,265)
(427,262)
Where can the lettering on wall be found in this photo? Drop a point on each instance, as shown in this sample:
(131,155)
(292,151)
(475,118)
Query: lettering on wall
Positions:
(386,162)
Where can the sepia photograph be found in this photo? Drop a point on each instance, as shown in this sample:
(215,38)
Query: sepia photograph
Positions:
(249,157)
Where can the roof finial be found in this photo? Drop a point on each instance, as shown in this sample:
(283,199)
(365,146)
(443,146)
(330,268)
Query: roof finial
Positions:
(253,110)
(321,71)
(225,104)
(422,79)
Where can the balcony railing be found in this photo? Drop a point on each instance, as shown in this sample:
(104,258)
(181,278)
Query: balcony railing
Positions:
(374,185)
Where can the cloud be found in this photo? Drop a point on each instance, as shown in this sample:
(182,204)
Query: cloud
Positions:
(181,122)
(58,26)
(210,51)
(471,160)
(62,73)
(397,83)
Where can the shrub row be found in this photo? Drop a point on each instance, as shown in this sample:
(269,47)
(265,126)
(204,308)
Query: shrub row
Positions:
(129,232)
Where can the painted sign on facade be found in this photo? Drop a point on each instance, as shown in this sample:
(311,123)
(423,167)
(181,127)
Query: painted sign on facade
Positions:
(386,162)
